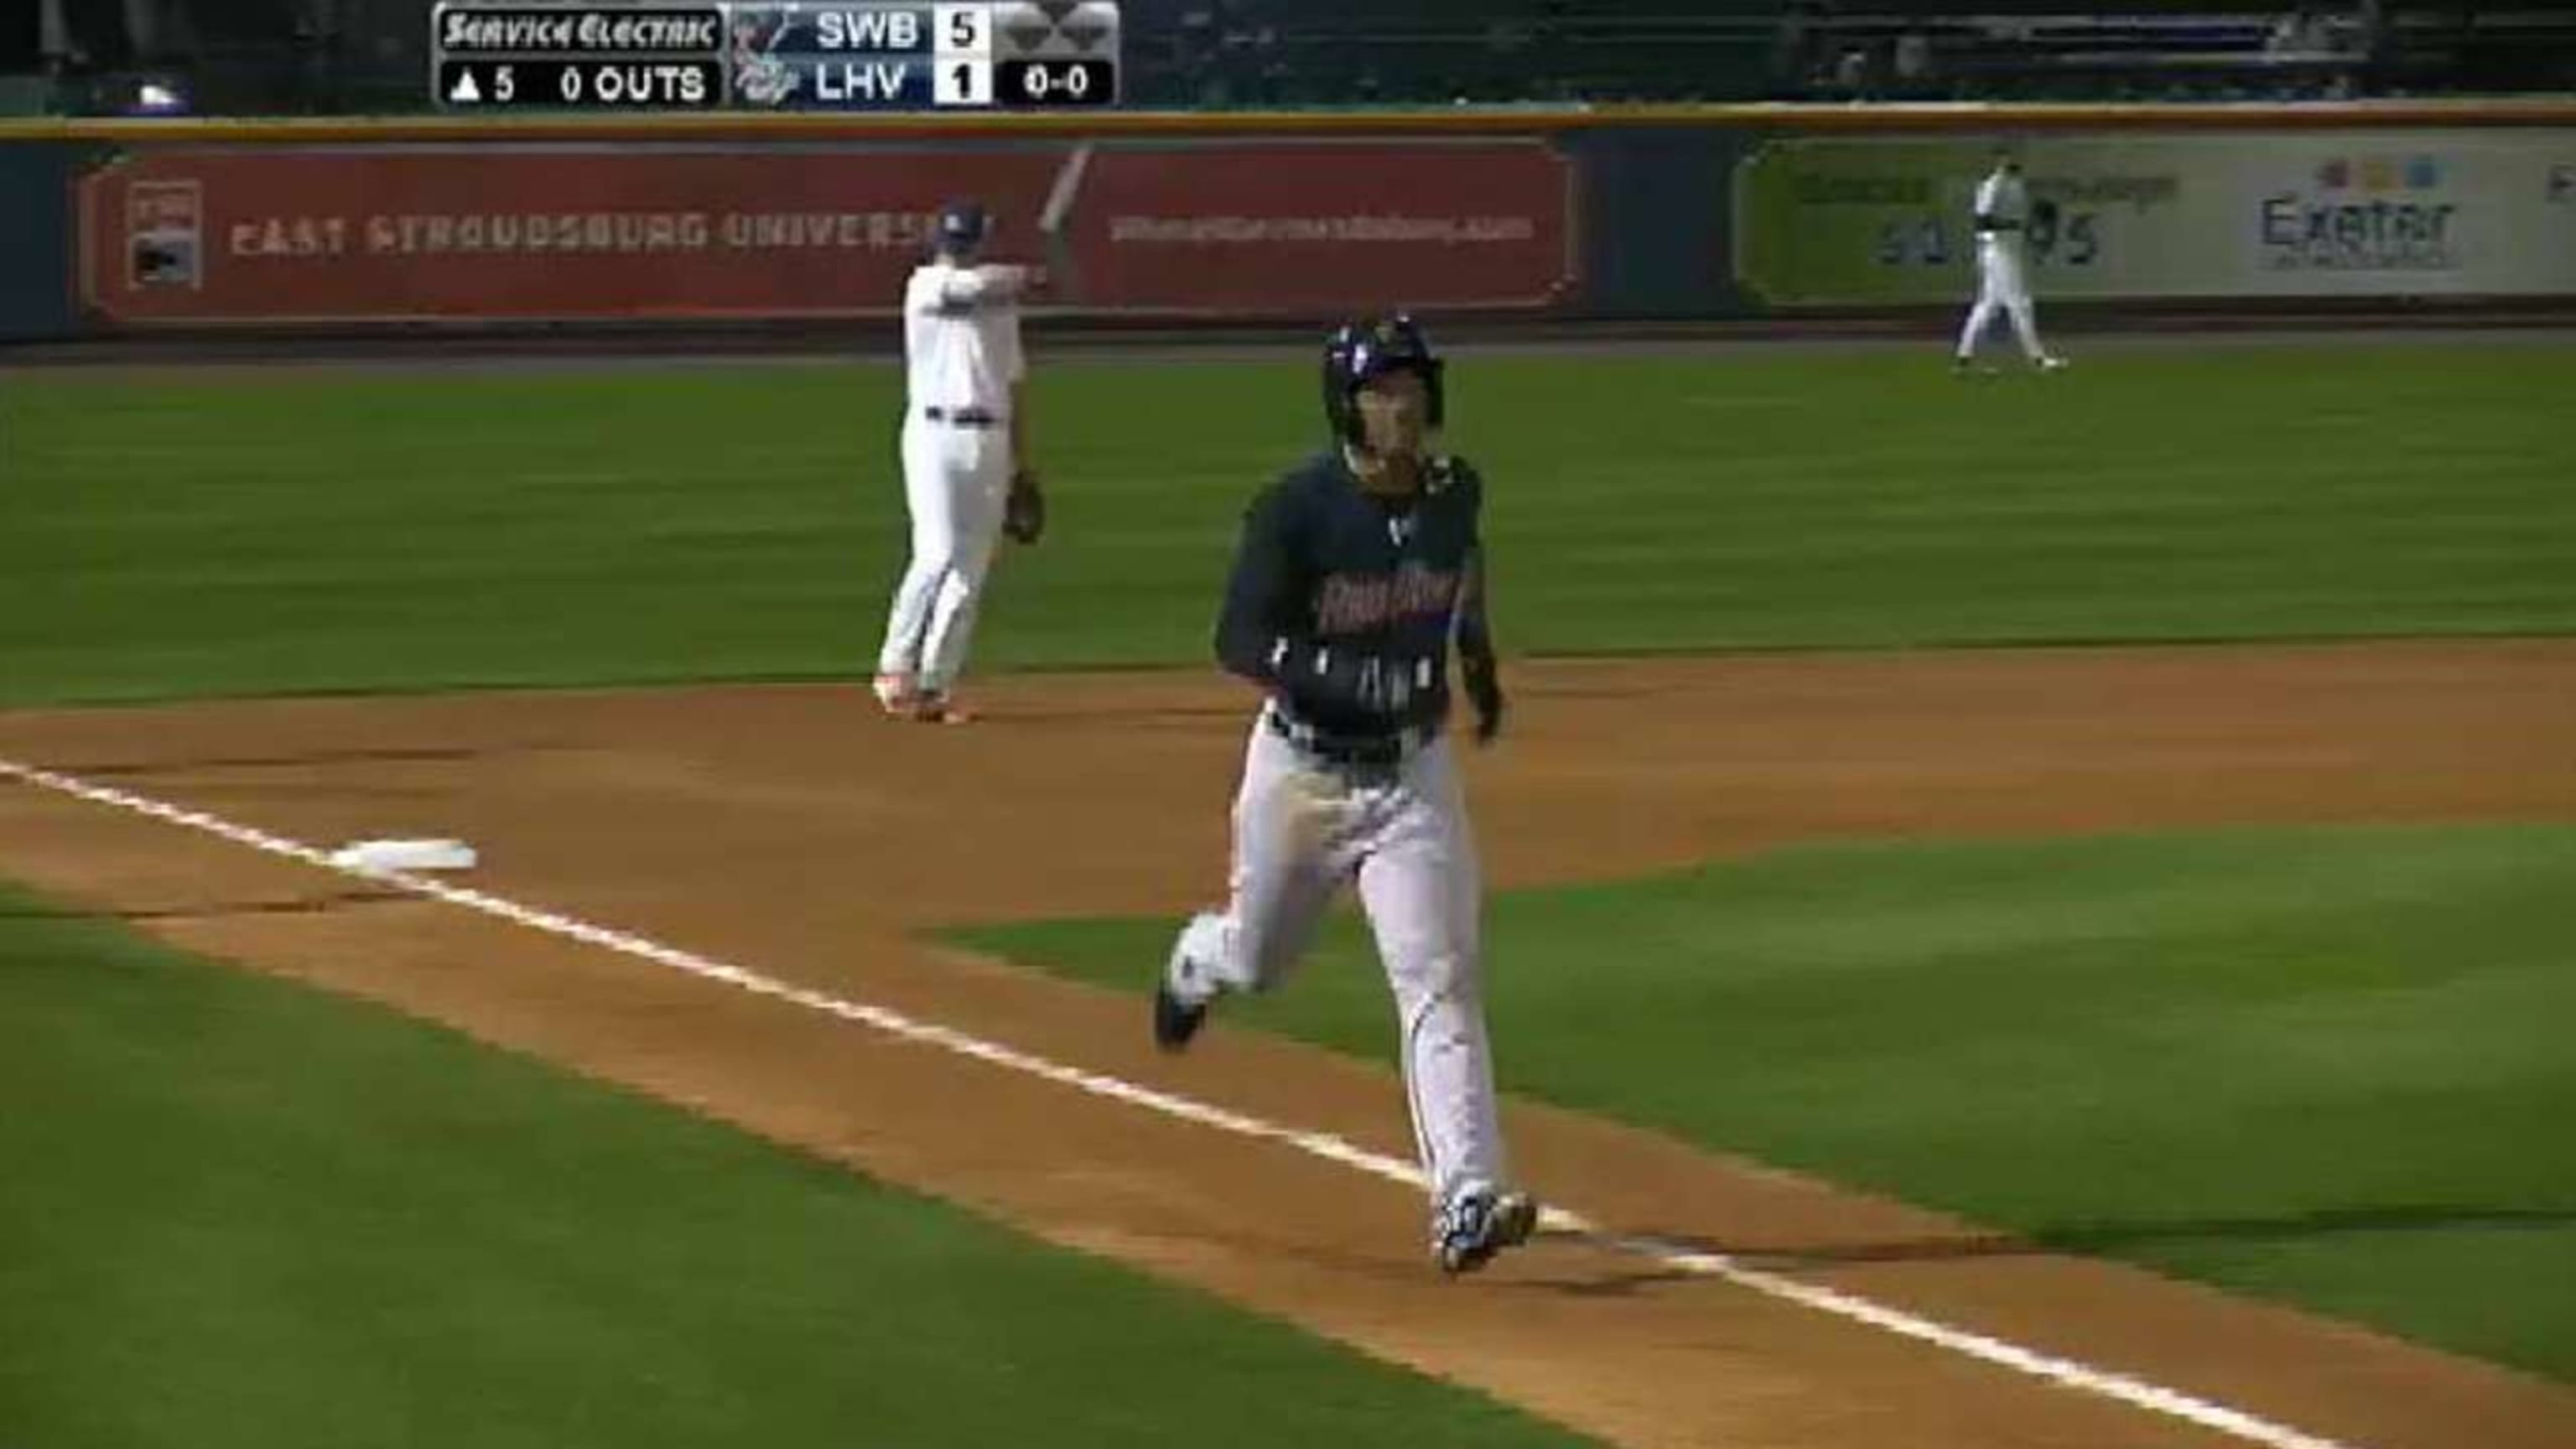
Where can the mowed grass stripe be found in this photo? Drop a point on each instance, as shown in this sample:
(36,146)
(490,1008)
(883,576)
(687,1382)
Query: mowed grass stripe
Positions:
(171,536)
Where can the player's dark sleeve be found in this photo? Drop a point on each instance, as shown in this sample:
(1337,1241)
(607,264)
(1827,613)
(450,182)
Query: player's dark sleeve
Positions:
(1477,667)
(1475,630)
(1265,635)
(1261,593)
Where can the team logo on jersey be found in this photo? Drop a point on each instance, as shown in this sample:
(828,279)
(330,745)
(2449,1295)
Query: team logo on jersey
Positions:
(1350,603)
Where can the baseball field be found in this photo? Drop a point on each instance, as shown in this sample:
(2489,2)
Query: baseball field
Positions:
(2026,911)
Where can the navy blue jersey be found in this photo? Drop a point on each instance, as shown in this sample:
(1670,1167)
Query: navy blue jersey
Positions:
(1342,603)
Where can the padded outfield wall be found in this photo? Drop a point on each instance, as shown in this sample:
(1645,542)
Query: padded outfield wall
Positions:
(1681,213)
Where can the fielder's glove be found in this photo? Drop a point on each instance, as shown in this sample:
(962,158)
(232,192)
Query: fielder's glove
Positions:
(1024,510)
(1485,692)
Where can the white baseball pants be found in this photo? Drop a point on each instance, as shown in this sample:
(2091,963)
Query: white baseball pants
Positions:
(955,482)
(2001,286)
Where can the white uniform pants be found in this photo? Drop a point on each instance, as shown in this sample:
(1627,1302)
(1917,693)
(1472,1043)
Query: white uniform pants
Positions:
(2001,286)
(1302,829)
(955,481)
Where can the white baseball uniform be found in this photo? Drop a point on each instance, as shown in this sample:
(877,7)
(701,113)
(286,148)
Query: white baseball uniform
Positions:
(2003,281)
(961,335)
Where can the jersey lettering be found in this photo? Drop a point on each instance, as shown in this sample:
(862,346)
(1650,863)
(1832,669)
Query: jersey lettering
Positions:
(1356,603)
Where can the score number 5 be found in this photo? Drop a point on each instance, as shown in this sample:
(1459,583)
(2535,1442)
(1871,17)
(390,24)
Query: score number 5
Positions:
(962,71)
(964,32)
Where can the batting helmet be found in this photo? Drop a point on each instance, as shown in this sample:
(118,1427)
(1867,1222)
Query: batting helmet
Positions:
(963,226)
(1370,348)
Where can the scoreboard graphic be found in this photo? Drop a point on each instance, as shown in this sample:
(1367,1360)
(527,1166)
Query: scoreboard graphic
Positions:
(775,55)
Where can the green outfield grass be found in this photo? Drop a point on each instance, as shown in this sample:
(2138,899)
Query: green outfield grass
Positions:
(237,1213)
(172,535)
(2324,1067)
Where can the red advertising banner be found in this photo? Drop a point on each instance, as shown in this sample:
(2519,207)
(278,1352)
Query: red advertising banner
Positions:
(280,233)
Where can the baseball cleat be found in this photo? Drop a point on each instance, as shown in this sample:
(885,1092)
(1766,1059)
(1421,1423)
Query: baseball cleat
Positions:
(936,708)
(2052,364)
(895,695)
(1466,1234)
(1175,1020)
(1176,1017)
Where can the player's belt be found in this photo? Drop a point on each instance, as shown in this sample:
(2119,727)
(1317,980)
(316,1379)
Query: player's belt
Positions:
(1368,751)
(963,417)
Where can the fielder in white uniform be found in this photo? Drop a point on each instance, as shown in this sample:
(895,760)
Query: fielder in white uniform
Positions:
(2002,219)
(964,434)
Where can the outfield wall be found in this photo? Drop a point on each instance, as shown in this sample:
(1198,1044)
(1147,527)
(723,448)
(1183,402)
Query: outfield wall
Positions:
(1683,213)
(36,237)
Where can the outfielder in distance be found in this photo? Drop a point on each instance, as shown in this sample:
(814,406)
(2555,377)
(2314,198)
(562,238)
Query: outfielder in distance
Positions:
(2002,219)
(1354,573)
(966,476)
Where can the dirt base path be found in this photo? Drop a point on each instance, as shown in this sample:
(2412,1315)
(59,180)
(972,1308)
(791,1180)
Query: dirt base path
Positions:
(793,832)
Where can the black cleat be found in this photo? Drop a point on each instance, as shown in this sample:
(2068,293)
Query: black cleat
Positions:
(1471,1230)
(1175,1020)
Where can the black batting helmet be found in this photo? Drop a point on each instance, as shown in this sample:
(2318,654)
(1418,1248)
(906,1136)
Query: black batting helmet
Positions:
(1373,347)
(963,226)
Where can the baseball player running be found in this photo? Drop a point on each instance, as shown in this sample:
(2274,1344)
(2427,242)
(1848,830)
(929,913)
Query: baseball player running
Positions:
(1354,573)
(2002,218)
(965,436)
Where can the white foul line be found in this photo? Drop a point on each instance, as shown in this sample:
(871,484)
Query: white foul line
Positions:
(2068,1372)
